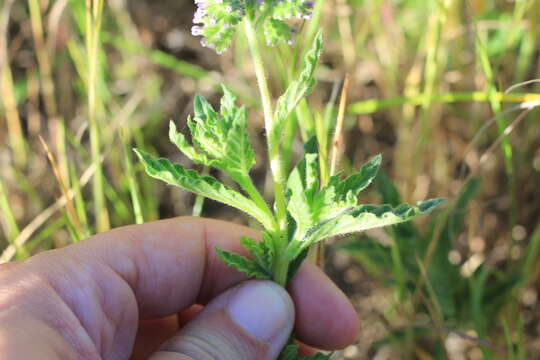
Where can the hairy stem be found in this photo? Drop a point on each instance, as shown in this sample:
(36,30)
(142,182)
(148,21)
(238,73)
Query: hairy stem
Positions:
(247,185)
(274,154)
(281,269)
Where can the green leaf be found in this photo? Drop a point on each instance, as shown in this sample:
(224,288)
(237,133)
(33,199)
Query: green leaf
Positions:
(362,179)
(359,219)
(242,264)
(176,174)
(308,205)
(262,252)
(302,187)
(339,196)
(182,144)
(221,138)
(299,88)
(406,235)
(290,352)
(442,274)
(295,264)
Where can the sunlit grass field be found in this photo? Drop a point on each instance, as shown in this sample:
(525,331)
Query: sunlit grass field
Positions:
(446,90)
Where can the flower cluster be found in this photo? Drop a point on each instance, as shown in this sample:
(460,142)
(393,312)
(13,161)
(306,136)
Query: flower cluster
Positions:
(216,20)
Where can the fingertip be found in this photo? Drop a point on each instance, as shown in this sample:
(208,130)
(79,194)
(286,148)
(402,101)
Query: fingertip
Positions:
(325,318)
(250,321)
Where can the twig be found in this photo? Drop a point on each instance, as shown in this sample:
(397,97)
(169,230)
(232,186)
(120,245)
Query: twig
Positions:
(337,142)
(70,209)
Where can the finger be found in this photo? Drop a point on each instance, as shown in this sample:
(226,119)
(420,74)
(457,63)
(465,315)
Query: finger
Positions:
(151,334)
(169,265)
(250,321)
(325,319)
(305,350)
(187,315)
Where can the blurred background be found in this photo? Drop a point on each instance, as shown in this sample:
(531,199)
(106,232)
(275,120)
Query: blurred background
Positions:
(444,89)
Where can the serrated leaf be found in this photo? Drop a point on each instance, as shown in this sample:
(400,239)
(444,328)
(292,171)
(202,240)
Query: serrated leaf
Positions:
(239,156)
(309,206)
(360,180)
(176,174)
(295,264)
(221,138)
(183,145)
(339,196)
(359,219)
(299,88)
(242,264)
(261,251)
(227,102)
(290,352)
(403,233)
(302,187)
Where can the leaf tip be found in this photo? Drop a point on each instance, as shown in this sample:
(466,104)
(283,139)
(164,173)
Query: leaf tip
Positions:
(172,127)
(429,205)
(139,153)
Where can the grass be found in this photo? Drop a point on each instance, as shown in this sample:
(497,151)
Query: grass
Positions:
(427,83)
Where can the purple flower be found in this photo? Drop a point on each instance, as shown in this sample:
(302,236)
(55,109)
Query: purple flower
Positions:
(199,16)
(196,30)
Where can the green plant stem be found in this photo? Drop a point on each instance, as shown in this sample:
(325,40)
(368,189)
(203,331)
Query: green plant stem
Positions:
(94,12)
(134,191)
(281,269)
(256,196)
(10,224)
(373,105)
(274,155)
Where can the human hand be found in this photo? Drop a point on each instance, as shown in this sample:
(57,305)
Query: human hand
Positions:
(89,300)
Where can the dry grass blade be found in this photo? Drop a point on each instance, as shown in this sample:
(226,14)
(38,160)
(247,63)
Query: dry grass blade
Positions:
(39,220)
(507,131)
(70,208)
(337,142)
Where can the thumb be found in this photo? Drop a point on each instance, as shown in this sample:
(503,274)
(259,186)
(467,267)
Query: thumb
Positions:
(250,321)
